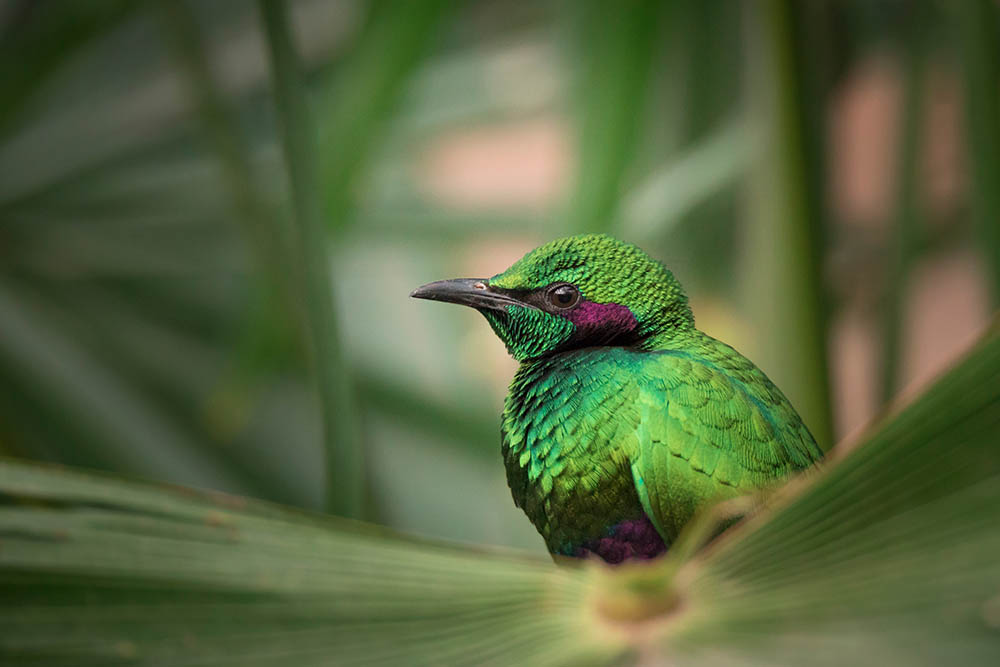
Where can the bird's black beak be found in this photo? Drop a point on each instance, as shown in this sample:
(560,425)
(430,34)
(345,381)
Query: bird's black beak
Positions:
(474,292)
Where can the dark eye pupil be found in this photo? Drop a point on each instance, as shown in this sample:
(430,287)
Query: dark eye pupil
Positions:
(563,296)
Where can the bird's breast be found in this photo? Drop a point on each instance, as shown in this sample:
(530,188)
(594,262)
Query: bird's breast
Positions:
(566,432)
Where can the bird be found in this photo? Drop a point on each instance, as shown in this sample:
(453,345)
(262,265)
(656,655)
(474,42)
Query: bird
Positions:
(623,420)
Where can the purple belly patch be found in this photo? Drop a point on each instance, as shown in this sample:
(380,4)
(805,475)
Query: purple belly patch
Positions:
(632,539)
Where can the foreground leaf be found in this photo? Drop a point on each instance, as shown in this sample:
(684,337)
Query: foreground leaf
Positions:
(98,569)
(888,556)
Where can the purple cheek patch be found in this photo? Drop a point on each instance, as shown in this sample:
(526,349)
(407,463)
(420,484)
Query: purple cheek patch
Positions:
(603,320)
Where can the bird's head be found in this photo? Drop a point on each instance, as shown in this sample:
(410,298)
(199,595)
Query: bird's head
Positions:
(580,291)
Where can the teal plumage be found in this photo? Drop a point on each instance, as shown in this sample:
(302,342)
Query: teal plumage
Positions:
(623,419)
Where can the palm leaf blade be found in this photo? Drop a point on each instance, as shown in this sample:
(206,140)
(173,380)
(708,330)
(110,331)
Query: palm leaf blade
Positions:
(889,555)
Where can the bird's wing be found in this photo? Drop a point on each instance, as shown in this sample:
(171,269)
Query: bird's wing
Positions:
(706,432)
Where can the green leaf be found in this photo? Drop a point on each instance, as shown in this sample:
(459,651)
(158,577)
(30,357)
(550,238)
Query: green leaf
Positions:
(366,91)
(98,569)
(616,43)
(96,402)
(37,40)
(887,556)
(660,202)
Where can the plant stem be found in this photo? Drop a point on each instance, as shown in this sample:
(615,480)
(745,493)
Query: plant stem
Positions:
(907,199)
(221,129)
(299,139)
(783,238)
(980,50)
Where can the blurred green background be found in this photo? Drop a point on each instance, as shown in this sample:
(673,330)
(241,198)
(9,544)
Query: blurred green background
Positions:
(184,191)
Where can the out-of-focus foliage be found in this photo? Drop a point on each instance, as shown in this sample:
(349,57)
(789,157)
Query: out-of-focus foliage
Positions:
(168,171)
(887,557)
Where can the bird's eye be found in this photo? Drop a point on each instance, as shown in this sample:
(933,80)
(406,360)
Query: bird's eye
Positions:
(563,296)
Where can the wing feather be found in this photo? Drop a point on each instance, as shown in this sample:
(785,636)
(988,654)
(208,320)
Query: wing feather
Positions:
(706,433)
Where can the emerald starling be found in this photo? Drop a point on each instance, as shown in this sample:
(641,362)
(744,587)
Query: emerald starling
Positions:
(623,419)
